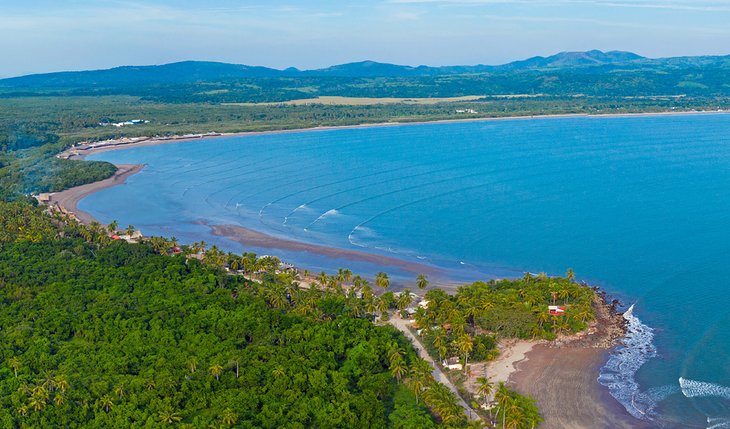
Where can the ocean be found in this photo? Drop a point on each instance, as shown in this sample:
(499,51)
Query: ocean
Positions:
(637,205)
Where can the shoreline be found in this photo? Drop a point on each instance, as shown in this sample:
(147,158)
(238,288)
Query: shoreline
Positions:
(145,141)
(562,375)
(251,238)
(67,200)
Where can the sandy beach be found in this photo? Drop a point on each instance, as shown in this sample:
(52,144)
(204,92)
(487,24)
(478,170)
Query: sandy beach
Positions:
(563,380)
(152,141)
(70,198)
(562,377)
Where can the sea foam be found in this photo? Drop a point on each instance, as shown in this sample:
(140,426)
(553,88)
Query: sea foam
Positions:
(619,373)
(702,389)
(718,423)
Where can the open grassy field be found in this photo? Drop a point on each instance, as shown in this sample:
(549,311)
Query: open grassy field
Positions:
(364,101)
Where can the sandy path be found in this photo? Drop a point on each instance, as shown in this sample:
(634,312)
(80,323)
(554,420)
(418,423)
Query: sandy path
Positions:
(70,198)
(438,375)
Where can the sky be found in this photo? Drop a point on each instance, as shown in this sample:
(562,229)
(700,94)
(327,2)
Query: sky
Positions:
(39,36)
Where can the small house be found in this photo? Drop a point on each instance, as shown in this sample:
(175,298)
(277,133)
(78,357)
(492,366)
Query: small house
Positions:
(452,363)
(556,310)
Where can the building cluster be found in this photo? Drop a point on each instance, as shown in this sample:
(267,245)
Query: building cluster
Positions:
(121,124)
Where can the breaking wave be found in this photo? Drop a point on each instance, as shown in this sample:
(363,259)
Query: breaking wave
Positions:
(718,423)
(702,389)
(619,373)
(364,232)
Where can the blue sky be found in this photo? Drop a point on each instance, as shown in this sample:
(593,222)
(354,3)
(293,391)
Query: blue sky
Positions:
(52,35)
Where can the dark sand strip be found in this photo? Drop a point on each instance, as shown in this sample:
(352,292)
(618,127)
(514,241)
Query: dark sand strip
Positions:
(250,238)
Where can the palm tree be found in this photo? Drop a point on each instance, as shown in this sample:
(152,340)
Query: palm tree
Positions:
(585,314)
(278,372)
(484,388)
(22,410)
(119,391)
(371,307)
(346,275)
(366,289)
(439,342)
(465,346)
(486,304)
(382,280)
(515,416)
(130,230)
(193,364)
(106,403)
(404,300)
(420,377)
(421,281)
(503,399)
(112,227)
(570,275)
(49,382)
(59,399)
(61,383)
(543,317)
(564,294)
(216,370)
(229,417)
(168,416)
(15,364)
(398,367)
(527,278)
(37,404)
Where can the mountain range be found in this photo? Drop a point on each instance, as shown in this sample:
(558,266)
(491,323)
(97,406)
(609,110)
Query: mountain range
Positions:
(201,71)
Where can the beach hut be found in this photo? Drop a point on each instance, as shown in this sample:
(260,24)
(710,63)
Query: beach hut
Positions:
(556,310)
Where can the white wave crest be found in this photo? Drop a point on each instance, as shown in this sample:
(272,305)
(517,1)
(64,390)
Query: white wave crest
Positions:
(702,389)
(325,215)
(619,373)
(718,422)
(362,231)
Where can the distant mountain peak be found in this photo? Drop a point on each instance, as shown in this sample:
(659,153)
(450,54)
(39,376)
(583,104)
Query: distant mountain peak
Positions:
(209,71)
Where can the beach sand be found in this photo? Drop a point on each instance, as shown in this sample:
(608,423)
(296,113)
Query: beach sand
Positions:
(512,352)
(251,238)
(70,198)
(563,380)
(153,141)
(563,376)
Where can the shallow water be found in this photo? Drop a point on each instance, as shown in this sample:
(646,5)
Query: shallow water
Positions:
(640,205)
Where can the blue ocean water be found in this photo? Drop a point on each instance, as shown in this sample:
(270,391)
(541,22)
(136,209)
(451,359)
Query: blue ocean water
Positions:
(639,205)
